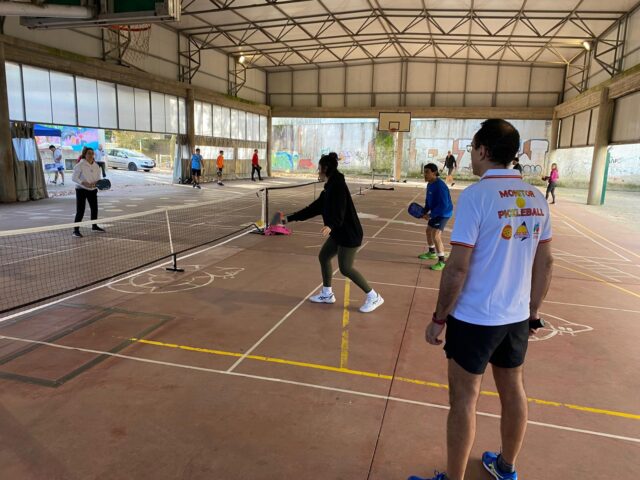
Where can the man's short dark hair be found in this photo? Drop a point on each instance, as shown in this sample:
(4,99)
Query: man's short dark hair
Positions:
(52,146)
(197,149)
(222,152)
(500,138)
(433,167)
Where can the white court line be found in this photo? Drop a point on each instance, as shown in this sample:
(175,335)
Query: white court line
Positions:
(275,327)
(314,386)
(169,262)
(600,266)
(545,301)
(596,242)
(394,217)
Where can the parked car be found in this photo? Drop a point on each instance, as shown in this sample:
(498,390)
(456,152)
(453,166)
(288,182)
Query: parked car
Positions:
(129,159)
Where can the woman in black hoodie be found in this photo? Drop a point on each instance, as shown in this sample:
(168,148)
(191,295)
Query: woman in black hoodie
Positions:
(342,226)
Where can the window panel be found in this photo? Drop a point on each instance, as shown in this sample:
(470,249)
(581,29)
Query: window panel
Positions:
(126,108)
(234,123)
(242,125)
(182,115)
(158,116)
(171,112)
(38,101)
(263,128)
(226,123)
(108,100)
(217,120)
(14,91)
(87,95)
(63,98)
(197,117)
(143,110)
(206,120)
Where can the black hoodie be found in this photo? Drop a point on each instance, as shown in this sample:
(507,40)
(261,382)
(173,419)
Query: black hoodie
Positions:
(337,210)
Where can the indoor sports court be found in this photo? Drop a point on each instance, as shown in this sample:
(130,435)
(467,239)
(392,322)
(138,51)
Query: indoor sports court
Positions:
(180,340)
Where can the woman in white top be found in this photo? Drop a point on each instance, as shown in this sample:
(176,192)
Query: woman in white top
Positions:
(85,175)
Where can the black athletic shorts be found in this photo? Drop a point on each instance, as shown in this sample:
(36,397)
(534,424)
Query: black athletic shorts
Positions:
(196,172)
(474,346)
(219,171)
(438,222)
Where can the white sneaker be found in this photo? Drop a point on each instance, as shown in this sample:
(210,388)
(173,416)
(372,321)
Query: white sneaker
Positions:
(371,304)
(323,298)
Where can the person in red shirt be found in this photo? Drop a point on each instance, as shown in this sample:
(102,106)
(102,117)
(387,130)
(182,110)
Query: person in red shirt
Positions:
(255,166)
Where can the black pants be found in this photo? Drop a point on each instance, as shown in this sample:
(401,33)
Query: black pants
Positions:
(102,166)
(254,169)
(551,190)
(82,196)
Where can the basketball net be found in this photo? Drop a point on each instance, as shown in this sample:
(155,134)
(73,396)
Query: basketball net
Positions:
(129,43)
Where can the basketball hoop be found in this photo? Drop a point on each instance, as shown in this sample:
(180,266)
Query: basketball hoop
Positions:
(128,44)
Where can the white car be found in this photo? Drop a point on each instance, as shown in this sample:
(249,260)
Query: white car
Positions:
(129,159)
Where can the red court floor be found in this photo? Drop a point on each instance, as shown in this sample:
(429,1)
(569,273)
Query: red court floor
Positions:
(226,371)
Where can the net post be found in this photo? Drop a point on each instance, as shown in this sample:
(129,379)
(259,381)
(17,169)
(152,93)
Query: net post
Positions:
(174,267)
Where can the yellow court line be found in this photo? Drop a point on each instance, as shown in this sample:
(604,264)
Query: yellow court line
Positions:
(381,376)
(600,280)
(596,234)
(344,346)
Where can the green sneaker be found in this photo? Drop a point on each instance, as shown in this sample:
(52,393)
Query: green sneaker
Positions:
(428,256)
(438,266)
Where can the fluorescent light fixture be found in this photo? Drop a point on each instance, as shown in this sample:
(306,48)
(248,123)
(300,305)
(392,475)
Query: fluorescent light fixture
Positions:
(586,45)
(241,59)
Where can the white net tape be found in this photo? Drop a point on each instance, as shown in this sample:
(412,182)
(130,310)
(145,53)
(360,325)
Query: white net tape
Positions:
(129,43)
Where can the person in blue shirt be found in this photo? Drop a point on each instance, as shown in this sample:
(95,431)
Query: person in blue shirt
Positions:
(439,209)
(196,168)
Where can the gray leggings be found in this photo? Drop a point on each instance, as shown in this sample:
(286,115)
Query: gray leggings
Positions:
(346,257)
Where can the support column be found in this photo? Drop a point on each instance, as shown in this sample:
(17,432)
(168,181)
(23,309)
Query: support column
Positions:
(397,161)
(603,133)
(8,191)
(268,145)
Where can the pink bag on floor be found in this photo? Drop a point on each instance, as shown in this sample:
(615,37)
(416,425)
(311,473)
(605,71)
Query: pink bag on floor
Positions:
(277,229)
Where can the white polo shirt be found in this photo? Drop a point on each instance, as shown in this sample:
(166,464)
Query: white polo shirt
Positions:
(503,219)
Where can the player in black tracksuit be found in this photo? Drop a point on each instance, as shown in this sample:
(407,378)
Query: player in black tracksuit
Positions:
(450,164)
(343,227)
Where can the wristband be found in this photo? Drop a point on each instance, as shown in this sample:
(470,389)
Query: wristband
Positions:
(435,320)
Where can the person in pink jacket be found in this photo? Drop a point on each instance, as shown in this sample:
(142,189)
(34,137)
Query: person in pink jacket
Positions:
(553,180)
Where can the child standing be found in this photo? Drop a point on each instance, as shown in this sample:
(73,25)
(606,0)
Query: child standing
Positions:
(439,208)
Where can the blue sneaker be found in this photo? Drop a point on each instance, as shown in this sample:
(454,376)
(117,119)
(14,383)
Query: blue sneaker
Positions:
(439,476)
(490,462)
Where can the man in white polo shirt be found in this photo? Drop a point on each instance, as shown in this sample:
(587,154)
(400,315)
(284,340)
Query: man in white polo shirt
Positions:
(495,280)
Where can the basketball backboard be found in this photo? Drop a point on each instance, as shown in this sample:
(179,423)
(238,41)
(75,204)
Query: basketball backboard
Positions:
(110,12)
(394,121)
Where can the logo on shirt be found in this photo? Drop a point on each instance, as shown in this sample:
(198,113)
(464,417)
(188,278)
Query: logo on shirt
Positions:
(536,230)
(507,232)
(522,232)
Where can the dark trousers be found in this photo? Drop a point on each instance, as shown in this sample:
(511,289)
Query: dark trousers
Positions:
(83,196)
(551,190)
(254,169)
(102,166)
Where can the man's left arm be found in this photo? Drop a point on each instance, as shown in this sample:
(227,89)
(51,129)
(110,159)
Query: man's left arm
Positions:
(451,283)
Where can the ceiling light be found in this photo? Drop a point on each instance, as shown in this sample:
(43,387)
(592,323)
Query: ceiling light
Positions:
(586,45)
(241,59)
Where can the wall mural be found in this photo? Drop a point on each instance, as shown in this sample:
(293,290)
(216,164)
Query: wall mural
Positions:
(299,143)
